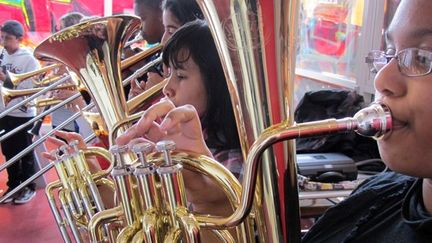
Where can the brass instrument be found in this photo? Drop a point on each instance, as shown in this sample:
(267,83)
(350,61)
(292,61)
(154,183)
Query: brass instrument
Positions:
(105,85)
(18,78)
(132,105)
(139,56)
(10,94)
(258,57)
(39,103)
(138,38)
(88,55)
(98,125)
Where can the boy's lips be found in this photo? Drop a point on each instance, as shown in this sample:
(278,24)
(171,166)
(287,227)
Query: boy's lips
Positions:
(398,124)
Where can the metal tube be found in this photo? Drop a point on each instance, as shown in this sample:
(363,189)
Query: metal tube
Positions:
(372,121)
(25,151)
(141,70)
(19,128)
(58,218)
(42,139)
(71,221)
(32,97)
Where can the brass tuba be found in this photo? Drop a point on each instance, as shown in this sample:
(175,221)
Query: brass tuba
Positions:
(256,41)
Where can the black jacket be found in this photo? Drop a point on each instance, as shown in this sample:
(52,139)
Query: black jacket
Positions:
(386,208)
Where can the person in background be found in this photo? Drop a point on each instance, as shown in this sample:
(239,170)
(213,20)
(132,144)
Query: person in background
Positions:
(152,31)
(16,59)
(150,13)
(175,13)
(197,83)
(63,113)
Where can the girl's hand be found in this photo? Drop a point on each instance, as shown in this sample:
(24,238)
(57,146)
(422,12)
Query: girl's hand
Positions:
(179,124)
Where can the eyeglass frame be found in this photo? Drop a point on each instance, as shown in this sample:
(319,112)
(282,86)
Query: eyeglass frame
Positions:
(371,61)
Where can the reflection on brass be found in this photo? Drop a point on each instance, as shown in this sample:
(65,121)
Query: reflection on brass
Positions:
(68,33)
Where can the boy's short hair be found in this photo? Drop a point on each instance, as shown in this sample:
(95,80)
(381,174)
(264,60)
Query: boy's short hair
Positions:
(71,18)
(155,4)
(13,27)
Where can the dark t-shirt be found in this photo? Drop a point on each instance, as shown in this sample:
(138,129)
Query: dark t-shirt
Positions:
(385,208)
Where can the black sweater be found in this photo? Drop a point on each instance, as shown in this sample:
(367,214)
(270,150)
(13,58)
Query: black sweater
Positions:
(385,208)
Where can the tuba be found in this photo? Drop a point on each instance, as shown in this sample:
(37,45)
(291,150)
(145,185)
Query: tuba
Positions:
(256,41)
(93,51)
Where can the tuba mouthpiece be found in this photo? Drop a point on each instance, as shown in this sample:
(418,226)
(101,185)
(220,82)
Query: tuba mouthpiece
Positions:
(374,121)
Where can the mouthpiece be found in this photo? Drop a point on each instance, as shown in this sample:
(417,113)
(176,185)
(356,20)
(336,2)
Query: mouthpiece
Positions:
(374,121)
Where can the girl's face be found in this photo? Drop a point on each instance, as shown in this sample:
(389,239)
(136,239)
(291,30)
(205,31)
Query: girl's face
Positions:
(170,23)
(409,148)
(186,84)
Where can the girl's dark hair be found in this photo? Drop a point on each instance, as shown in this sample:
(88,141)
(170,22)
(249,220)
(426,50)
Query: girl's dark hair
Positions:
(184,10)
(218,121)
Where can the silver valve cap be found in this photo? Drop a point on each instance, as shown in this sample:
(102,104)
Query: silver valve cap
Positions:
(165,145)
(144,148)
(56,154)
(119,149)
(74,145)
(141,149)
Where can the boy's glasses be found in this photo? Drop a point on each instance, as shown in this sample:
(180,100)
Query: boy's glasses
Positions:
(412,62)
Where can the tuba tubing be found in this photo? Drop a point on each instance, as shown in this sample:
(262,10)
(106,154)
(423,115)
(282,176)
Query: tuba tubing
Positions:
(374,121)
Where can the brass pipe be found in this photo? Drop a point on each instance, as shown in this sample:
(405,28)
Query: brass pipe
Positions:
(18,78)
(374,121)
(32,97)
(10,94)
(189,225)
(128,232)
(100,218)
(139,56)
(47,80)
(150,232)
(57,216)
(148,95)
(69,217)
(44,102)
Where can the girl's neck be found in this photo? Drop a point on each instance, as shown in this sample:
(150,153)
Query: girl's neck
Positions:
(427,194)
